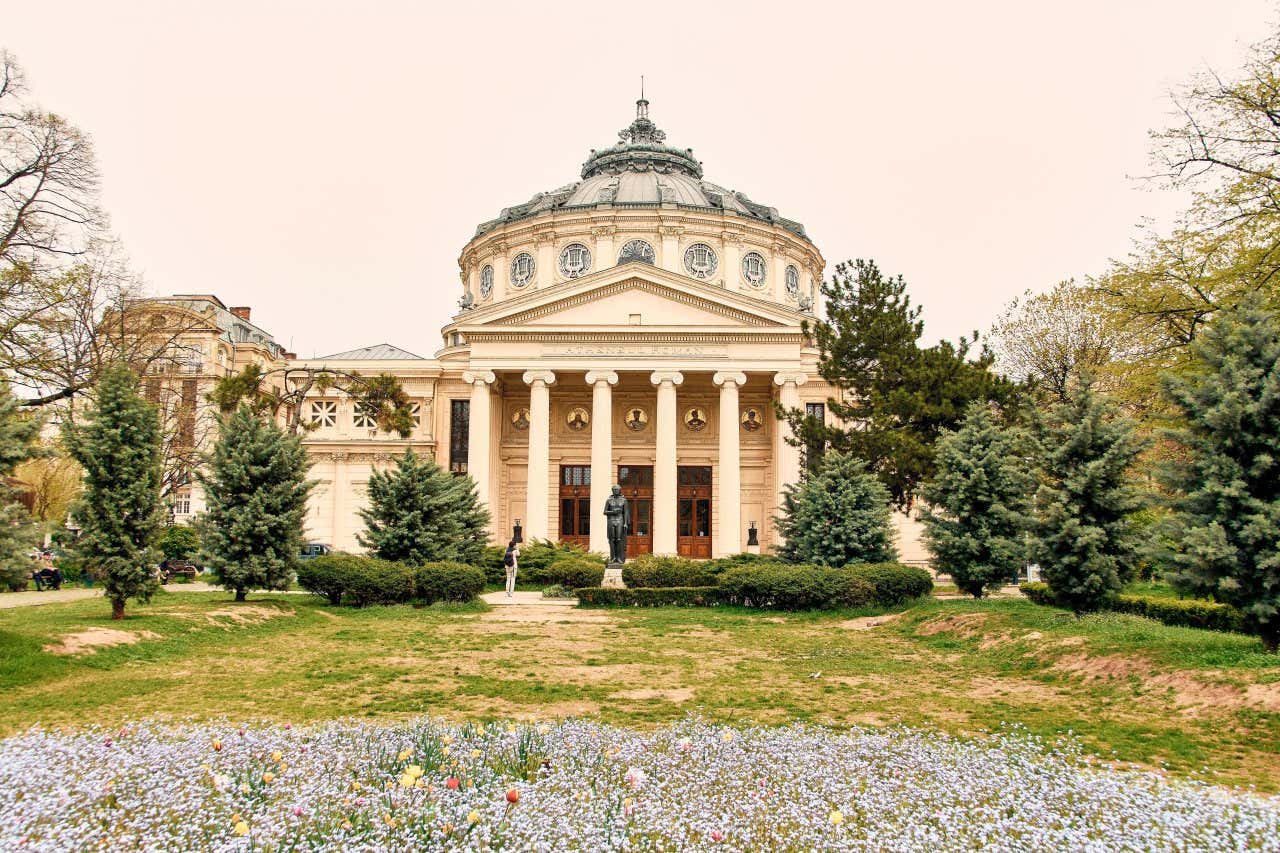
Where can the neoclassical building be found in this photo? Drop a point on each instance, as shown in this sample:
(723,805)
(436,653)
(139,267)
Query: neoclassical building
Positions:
(637,327)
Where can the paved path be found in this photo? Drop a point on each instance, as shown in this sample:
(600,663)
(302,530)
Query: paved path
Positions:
(526,598)
(30,598)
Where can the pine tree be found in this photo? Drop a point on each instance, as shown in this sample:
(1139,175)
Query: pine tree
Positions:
(836,516)
(256,488)
(979,502)
(120,512)
(18,531)
(1082,536)
(1225,526)
(420,513)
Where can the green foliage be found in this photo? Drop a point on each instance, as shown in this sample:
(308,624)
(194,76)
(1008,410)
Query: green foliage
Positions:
(1222,539)
(373,581)
(19,434)
(1037,591)
(119,513)
(650,570)
(791,587)
(979,502)
(327,575)
(836,516)
(677,596)
(537,554)
(1082,535)
(490,562)
(1181,612)
(447,582)
(894,583)
(898,397)
(420,513)
(179,542)
(571,572)
(255,486)
(719,564)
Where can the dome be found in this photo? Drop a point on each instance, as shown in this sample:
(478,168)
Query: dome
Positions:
(643,170)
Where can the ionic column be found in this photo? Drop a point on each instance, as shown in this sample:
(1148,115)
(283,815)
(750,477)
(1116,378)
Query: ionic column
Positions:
(729,534)
(786,457)
(664,469)
(537,521)
(601,382)
(479,432)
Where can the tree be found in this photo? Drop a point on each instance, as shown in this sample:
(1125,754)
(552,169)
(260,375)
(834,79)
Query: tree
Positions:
(836,516)
(179,542)
(1224,532)
(978,504)
(19,434)
(255,486)
(54,479)
(120,512)
(1082,536)
(419,513)
(895,398)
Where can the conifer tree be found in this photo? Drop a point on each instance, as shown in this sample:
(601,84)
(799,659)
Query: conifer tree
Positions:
(836,516)
(978,505)
(420,513)
(1225,526)
(255,485)
(120,511)
(1082,536)
(18,532)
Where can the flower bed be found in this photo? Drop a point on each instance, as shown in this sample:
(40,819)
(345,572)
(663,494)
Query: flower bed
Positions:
(581,785)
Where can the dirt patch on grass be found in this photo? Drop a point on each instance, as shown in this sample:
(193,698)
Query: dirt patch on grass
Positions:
(249,614)
(544,613)
(866,623)
(1193,693)
(87,642)
(962,625)
(679,694)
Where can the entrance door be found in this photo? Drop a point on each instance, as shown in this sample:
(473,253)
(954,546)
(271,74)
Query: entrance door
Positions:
(575,504)
(693,513)
(637,488)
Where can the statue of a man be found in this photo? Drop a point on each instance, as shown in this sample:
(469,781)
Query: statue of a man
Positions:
(617,523)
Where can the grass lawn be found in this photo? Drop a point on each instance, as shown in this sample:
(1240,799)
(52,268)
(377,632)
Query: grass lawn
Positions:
(1129,688)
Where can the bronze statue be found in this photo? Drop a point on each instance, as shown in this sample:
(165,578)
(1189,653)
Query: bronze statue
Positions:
(617,525)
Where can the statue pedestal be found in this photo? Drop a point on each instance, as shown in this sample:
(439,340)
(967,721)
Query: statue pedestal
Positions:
(613,576)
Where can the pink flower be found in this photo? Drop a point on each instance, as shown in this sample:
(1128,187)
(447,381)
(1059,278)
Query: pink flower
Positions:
(717,836)
(297,811)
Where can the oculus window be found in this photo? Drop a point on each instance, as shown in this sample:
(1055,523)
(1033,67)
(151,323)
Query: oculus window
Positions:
(522,267)
(700,261)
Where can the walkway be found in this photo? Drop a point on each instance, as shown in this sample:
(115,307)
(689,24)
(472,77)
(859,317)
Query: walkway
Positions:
(525,599)
(30,598)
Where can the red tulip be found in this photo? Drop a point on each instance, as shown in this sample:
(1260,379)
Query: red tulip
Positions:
(451,783)
(513,796)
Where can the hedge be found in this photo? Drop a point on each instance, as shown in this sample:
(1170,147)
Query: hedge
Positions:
(447,582)
(894,583)
(362,581)
(650,571)
(328,575)
(1179,612)
(571,573)
(375,581)
(802,587)
(672,596)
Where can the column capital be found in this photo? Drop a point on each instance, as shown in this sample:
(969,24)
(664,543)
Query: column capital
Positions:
(675,377)
(796,377)
(546,377)
(736,377)
(602,376)
(479,377)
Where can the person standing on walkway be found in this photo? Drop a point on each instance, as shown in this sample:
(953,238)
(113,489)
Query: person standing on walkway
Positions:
(511,561)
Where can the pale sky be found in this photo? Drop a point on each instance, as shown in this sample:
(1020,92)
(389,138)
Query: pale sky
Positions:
(325,162)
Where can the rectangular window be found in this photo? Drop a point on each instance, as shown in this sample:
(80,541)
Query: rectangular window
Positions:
(459,435)
(182,502)
(324,413)
(815,447)
(364,417)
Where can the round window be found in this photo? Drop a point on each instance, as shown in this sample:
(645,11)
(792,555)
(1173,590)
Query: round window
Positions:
(486,281)
(575,260)
(636,250)
(753,269)
(522,269)
(700,260)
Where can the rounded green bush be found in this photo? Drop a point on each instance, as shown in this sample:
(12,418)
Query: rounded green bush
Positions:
(572,573)
(650,571)
(448,582)
(495,572)
(373,581)
(801,587)
(894,583)
(328,575)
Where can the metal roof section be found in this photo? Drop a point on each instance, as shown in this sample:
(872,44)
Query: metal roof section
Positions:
(377,352)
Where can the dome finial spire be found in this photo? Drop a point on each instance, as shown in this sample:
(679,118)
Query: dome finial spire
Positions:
(642,106)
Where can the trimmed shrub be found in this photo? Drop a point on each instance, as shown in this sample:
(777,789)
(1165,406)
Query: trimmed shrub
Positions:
(328,575)
(447,582)
(491,564)
(894,583)
(571,573)
(374,581)
(540,554)
(720,564)
(1038,592)
(1184,612)
(649,570)
(678,596)
(784,587)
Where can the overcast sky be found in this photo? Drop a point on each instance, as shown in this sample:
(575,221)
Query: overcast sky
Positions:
(325,162)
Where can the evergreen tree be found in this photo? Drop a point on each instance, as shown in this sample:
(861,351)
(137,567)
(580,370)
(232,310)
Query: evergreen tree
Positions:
(897,397)
(119,512)
(1225,527)
(18,531)
(256,488)
(836,516)
(979,502)
(420,513)
(1082,536)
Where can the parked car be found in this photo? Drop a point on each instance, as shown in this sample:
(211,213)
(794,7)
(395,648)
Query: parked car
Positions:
(314,549)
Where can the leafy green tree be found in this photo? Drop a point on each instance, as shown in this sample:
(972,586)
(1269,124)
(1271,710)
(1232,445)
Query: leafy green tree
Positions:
(120,511)
(255,487)
(979,503)
(19,433)
(1223,536)
(179,542)
(1083,536)
(420,513)
(896,397)
(837,515)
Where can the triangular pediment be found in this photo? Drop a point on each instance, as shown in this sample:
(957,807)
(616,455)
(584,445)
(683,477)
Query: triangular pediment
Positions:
(634,295)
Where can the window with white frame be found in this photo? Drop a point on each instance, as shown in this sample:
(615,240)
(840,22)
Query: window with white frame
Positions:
(181,502)
(324,413)
(365,417)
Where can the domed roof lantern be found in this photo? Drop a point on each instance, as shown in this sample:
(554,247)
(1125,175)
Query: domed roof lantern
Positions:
(641,148)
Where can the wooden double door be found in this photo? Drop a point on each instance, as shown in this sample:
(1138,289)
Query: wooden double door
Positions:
(693,511)
(693,508)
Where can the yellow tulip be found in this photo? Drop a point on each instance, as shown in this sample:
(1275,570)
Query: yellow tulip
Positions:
(268,777)
(474,817)
(836,817)
(277,755)
(404,754)
(406,781)
(242,828)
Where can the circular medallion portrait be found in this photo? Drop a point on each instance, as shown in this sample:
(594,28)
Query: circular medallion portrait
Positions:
(520,419)
(696,419)
(752,420)
(636,419)
(577,419)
